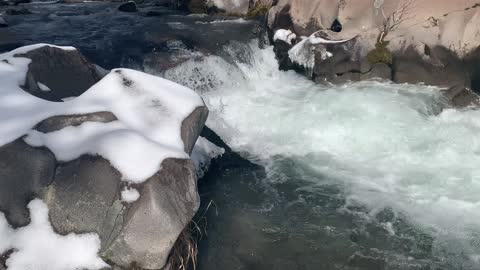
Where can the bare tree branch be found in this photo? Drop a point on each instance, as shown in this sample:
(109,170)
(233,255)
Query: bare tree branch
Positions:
(402,13)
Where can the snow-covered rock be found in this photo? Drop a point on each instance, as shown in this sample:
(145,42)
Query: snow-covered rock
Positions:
(130,131)
(285,35)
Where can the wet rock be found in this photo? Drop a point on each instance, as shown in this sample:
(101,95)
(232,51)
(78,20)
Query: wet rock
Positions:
(281,49)
(66,73)
(441,68)
(472,61)
(378,70)
(22,11)
(25,172)
(3,23)
(339,68)
(460,97)
(130,6)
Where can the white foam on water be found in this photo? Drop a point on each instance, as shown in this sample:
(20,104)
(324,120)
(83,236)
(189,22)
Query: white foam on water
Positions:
(385,145)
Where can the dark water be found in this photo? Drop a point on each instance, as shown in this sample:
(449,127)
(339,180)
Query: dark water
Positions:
(255,224)
(113,39)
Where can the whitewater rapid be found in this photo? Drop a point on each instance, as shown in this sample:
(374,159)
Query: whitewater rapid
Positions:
(385,146)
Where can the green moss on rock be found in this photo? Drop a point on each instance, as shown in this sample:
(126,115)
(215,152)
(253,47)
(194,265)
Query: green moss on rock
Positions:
(381,54)
(258,10)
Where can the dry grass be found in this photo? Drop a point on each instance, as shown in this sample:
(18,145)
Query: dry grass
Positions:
(185,251)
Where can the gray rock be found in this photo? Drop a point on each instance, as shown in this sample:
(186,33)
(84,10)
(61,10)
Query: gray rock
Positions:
(378,70)
(441,68)
(66,72)
(192,127)
(85,197)
(59,122)
(460,97)
(152,224)
(24,173)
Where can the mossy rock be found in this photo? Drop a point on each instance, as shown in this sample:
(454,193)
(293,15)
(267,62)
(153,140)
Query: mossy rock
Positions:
(258,10)
(381,54)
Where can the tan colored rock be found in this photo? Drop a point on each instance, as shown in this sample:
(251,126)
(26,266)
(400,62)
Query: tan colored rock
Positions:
(452,24)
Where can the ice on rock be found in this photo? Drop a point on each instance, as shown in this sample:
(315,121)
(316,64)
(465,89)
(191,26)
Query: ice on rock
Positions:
(202,154)
(284,35)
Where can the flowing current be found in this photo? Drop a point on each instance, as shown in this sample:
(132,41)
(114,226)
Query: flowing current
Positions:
(368,175)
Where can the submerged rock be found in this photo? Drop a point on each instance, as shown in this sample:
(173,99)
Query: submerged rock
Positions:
(130,6)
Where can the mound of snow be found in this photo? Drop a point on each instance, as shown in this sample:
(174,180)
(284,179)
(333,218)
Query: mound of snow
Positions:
(130,195)
(38,247)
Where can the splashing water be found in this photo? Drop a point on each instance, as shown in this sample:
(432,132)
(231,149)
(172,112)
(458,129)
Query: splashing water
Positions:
(385,147)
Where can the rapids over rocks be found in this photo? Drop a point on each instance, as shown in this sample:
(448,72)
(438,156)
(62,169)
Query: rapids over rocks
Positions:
(369,175)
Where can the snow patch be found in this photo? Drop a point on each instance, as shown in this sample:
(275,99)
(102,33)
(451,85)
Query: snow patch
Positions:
(284,35)
(130,195)
(203,153)
(38,247)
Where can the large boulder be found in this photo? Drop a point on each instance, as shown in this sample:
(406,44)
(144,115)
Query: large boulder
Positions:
(55,73)
(77,156)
